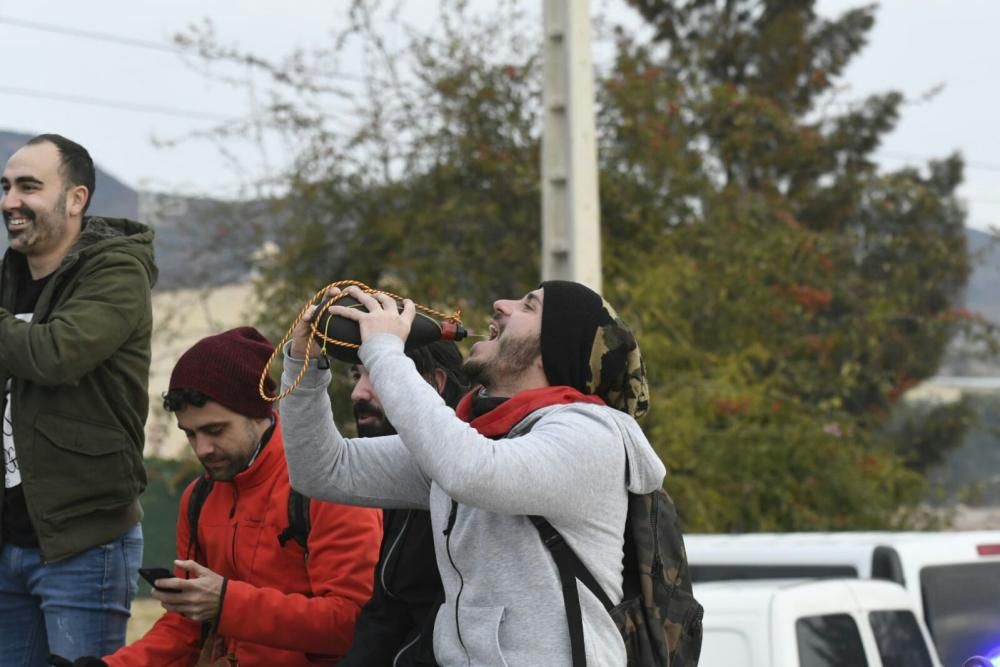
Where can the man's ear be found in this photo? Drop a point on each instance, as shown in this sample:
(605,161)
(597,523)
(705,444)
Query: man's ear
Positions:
(76,199)
(440,380)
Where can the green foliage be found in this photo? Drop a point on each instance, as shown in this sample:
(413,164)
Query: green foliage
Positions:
(436,196)
(970,475)
(925,432)
(785,291)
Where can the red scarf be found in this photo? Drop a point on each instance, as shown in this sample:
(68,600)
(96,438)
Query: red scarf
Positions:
(501,419)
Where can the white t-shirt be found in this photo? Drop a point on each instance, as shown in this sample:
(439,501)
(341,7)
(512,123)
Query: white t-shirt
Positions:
(11,471)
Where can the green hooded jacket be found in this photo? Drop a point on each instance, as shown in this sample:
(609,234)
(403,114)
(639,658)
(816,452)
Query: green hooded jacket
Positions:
(79,376)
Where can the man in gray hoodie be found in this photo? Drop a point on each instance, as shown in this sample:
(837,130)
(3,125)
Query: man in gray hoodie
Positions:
(550,432)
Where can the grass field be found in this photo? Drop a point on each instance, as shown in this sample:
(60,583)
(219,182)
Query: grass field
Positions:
(145,611)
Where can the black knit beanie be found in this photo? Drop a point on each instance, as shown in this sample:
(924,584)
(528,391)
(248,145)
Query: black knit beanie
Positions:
(226,367)
(585,345)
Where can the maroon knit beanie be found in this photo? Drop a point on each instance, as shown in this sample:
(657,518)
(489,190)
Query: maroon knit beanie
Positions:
(226,367)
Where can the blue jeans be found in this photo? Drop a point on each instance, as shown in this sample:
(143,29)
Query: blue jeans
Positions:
(74,607)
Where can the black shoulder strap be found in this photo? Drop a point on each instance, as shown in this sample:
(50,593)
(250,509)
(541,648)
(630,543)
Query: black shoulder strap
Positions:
(298,520)
(571,568)
(202,487)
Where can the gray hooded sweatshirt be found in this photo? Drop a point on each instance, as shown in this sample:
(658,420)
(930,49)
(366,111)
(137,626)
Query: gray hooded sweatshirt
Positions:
(503,600)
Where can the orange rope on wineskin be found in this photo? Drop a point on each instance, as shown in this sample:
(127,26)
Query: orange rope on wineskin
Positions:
(455,317)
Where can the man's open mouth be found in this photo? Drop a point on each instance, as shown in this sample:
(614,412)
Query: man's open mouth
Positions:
(364,411)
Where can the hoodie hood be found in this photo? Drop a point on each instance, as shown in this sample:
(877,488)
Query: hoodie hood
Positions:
(646,471)
(118,235)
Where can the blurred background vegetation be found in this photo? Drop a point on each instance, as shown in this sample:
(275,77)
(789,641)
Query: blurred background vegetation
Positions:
(786,291)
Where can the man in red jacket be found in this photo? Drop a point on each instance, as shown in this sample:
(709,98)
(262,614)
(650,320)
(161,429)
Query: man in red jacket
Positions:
(242,596)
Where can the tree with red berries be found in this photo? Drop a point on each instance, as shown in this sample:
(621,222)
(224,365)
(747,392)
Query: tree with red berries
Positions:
(785,289)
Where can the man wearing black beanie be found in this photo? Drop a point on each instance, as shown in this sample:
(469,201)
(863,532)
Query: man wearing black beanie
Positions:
(550,431)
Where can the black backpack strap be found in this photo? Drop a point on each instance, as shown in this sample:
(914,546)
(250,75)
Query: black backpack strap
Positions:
(298,520)
(202,487)
(571,568)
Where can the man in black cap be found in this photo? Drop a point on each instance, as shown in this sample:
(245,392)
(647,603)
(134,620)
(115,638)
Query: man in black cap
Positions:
(549,432)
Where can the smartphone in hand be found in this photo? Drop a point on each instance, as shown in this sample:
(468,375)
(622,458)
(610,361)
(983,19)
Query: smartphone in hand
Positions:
(151,574)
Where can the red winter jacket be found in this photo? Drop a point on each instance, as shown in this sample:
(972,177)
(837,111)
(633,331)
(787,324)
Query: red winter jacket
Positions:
(279,607)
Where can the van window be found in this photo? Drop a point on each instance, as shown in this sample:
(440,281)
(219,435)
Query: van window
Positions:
(832,640)
(962,609)
(705,573)
(899,640)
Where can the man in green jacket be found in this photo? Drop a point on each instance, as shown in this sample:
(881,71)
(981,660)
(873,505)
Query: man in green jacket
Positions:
(75,324)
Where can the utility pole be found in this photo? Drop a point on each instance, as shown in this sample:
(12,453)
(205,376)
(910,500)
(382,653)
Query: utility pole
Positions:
(571,232)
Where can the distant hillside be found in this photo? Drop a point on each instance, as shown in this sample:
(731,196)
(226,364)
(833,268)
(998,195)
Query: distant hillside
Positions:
(983,298)
(203,242)
(983,292)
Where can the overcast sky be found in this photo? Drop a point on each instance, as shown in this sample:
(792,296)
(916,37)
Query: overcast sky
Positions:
(53,81)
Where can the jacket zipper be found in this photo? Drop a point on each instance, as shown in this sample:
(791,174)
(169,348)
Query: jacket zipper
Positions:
(461,580)
(232,513)
(230,643)
(395,661)
(388,555)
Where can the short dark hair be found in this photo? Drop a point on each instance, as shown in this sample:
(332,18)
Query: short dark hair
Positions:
(178,399)
(76,166)
(444,355)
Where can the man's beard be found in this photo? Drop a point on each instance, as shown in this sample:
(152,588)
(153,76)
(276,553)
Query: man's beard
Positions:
(511,357)
(371,429)
(234,463)
(226,474)
(41,228)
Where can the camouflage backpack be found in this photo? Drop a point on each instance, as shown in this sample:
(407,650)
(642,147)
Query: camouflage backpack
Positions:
(658,616)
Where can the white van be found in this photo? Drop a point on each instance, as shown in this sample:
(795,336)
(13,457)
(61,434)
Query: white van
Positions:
(953,578)
(811,623)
